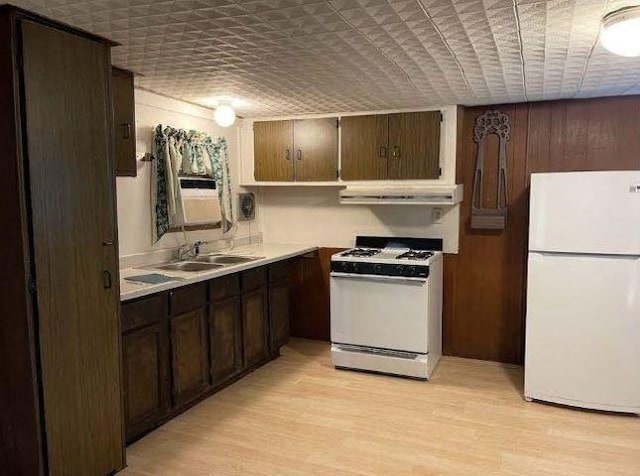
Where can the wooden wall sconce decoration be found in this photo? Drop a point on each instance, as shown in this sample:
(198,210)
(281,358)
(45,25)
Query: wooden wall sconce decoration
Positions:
(491,122)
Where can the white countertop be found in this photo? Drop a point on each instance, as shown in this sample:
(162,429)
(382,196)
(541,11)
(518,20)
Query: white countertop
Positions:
(269,253)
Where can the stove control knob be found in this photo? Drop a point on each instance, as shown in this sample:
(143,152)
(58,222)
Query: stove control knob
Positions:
(412,271)
(377,269)
(354,267)
(400,269)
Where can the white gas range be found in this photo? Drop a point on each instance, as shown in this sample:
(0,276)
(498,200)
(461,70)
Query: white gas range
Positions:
(386,306)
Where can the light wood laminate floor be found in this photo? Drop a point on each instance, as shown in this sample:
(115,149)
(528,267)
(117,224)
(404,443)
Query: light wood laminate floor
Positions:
(300,416)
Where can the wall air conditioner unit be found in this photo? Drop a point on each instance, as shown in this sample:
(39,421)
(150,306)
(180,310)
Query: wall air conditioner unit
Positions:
(402,195)
(200,201)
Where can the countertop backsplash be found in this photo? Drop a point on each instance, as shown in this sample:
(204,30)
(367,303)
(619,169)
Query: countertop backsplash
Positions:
(167,254)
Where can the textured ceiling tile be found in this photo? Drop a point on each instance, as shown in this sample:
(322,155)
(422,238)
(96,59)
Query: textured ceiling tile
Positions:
(303,56)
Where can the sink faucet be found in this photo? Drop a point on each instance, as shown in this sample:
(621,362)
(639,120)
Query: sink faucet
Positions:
(190,251)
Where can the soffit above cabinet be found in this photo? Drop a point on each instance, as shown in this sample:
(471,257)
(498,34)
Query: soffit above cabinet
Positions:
(304,56)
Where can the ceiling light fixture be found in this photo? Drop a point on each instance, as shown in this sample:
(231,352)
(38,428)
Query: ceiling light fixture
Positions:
(621,31)
(224,115)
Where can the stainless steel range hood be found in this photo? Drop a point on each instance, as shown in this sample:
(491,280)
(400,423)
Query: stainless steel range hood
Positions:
(402,194)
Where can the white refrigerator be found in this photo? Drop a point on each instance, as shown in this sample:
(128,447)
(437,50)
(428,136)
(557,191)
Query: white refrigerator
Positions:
(583,290)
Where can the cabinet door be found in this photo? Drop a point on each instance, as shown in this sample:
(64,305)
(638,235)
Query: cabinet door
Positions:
(146,382)
(278,314)
(124,118)
(316,149)
(365,147)
(273,150)
(67,117)
(254,326)
(310,306)
(189,360)
(225,338)
(414,145)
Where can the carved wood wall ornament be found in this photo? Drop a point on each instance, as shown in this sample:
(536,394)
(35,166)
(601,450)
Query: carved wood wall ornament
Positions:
(491,122)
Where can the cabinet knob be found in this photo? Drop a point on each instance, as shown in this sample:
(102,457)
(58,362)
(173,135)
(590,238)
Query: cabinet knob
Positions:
(382,152)
(287,154)
(299,153)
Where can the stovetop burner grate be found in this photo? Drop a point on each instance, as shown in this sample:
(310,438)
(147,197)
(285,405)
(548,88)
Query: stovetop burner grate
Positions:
(361,252)
(417,255)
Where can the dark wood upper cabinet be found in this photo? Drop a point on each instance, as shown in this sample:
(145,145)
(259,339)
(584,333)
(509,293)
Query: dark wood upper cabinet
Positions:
(189,356)
(365,147)
(297,150)
(124,122)
(316,149)
(404,146)
(146,378)
(254,326)
(225,339)
(273,151)
(414,145)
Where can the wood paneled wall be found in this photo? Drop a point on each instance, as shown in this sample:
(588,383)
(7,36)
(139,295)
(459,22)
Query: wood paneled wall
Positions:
(484,305)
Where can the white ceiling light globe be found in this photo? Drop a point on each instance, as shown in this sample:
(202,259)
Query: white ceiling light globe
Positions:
(621,32)
(224,115)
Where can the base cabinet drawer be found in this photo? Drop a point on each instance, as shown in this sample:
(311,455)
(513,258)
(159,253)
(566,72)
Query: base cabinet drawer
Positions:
(225,339)
(189,356)
(146,378)
(224,287)
(143,312)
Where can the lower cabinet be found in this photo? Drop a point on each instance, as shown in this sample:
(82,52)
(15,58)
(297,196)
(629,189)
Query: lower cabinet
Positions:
(225,339)
(279,293)
(181,345)
(254,326)
(146,377)
(189,356)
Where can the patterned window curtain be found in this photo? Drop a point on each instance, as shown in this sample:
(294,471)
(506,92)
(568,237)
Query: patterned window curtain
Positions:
(191,153)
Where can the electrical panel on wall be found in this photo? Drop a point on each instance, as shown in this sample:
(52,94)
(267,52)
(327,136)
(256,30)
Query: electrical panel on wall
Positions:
(247,206)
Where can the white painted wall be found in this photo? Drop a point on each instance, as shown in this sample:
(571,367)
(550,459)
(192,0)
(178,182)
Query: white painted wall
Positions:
(312,215)
(133,193)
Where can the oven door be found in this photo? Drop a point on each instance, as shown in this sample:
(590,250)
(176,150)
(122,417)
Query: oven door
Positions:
(385,312)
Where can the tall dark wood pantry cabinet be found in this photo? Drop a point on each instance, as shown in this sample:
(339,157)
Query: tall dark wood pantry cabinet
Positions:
(61,396)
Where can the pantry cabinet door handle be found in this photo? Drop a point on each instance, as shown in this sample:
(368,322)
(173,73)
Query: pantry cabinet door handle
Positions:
(106,279)
(287,154)
(299,154)
(382,152)
(126,131)
(107,243)
(396,151)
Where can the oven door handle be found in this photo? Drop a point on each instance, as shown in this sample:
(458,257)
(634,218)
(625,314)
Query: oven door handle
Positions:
(383,278)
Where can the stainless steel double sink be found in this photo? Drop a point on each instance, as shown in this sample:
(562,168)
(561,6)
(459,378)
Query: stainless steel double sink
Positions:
(205,263)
